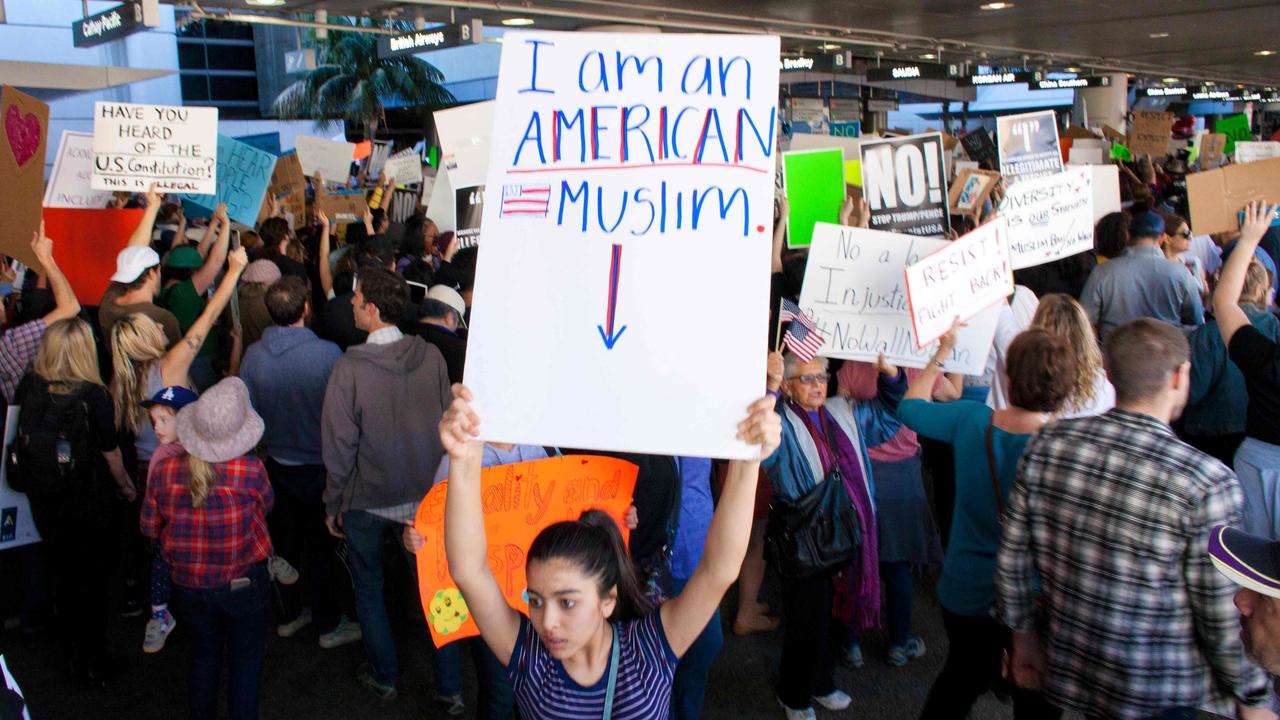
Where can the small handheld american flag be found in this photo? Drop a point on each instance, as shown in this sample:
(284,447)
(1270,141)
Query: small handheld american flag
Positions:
(802,337)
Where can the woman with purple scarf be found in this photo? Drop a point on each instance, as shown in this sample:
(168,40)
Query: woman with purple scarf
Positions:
(820,434)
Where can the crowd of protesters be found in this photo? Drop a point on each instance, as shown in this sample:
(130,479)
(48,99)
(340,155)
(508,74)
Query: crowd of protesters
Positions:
(246,422)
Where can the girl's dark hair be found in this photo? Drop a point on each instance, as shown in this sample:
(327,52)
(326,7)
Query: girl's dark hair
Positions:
(1111,236)
(594,543)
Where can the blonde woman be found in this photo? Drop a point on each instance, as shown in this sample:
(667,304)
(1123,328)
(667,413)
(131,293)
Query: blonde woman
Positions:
(217,493)
(143,366)
(72,504)
(1091,392)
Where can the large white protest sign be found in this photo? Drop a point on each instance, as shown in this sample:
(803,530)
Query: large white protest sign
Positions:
(1049,217)
(405,167)
(1249,151)
(71,180)
(137,145)
(612,154)
(904,182)
(332,159)
(959,280)
(855,293)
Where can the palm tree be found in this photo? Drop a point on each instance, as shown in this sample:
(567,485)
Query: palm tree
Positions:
(351,82)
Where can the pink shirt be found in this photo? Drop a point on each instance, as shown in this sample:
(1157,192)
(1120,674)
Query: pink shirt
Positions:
(858,380)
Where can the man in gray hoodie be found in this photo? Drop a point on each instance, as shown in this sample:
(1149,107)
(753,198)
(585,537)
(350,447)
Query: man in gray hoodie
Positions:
(287,372)
(381,447)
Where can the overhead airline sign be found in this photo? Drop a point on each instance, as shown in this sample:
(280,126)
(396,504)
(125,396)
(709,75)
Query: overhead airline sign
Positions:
(1071,83)
(1203,92)
(914,71)
(1001,78)
(113,24)
(436,38)
(821,61)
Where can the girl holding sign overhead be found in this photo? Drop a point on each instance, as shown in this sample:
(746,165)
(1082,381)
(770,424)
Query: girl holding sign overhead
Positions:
(592,644)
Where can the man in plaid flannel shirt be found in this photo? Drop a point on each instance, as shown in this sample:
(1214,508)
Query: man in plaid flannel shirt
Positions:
(1113,514)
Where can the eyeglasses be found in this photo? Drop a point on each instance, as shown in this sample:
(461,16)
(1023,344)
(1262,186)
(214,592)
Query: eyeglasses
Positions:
(810,379)
(1183,234)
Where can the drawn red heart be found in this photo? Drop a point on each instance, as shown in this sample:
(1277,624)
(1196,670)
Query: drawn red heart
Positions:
(23,132)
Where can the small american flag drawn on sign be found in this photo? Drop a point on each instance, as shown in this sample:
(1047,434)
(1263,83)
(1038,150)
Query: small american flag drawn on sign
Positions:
(525,200)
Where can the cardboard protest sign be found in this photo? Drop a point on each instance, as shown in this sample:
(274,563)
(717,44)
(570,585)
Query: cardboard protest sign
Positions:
(137,145)
(980,147)
(815,179)
(959,280)
(378,158)
(330,158)
(469,213)
(1217,196)
(1106,190)
(289,187)
(85,244)
(1236,128)
(1114,135)
(244,172)
(72,175)
(26,123)
(905,184)
(1149,133)
(1249,151)
(518,501)
(1028,145)
(971,190)
(584,217)
(405,167)
(345,206)
(1076,132)
(1085,156)
(1049,217)
(1212,150)
(17,527)
(854,291)
(464,125)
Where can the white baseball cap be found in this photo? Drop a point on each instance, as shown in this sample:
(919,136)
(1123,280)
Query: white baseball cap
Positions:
(450,297)
(132,262)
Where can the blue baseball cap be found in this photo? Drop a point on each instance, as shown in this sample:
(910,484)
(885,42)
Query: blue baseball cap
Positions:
(1147,224)
(175,397)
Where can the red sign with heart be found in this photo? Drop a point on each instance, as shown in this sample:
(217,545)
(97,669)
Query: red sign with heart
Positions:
(23,132)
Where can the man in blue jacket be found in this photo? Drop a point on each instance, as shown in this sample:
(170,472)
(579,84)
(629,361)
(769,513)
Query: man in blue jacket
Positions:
(287,372)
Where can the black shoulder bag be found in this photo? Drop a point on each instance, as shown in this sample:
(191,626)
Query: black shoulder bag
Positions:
(816,534)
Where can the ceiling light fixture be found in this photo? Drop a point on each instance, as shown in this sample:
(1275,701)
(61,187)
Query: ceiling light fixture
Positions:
(927,56)
(996,6)
(828,46)
(265,3)
(1265,53)
(1158,36)
(1072,69)
(1169,80)
(518,22)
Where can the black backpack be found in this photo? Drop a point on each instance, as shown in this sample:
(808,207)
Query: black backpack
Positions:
(53,450)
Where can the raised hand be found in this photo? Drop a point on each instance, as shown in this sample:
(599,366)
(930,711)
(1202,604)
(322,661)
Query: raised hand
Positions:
(460,426)
(762,427)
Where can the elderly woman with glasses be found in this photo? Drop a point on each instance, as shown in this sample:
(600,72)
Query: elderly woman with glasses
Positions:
(820,436)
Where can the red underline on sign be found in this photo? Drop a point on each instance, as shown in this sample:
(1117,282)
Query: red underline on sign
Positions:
(643,166)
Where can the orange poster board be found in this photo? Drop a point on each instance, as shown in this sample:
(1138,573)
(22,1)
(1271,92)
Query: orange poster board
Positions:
(519,500)
(85,244)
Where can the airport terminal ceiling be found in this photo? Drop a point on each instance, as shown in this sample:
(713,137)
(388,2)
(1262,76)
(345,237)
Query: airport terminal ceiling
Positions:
(1193,40)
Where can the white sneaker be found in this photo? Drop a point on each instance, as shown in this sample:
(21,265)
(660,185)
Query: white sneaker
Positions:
(281,571)
(292,627)
(344,633)
(837,700)
(805,714)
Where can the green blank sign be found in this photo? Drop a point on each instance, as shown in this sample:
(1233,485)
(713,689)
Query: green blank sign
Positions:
(814,183)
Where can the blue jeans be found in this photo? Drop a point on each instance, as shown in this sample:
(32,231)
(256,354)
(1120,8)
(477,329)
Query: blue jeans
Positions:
(238,620)
(366,533)
(689,686)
